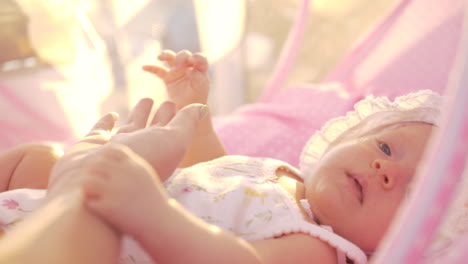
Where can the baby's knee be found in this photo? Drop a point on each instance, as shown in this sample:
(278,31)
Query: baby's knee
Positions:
(45,154)
(34,167)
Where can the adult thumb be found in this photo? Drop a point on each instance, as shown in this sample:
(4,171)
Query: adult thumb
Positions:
(188,118)
(104,125)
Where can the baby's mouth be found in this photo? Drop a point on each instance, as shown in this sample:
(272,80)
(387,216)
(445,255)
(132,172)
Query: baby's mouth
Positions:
(358,186)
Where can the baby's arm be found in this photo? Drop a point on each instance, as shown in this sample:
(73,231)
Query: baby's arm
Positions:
(187,82)
(27,166)
(174,235)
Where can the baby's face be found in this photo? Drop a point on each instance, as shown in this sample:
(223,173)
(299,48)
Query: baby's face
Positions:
(359,184)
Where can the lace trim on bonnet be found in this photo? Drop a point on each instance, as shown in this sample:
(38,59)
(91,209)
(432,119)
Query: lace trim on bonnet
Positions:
(319,142)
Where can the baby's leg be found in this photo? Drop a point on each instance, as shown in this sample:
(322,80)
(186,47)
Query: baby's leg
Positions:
(28,166)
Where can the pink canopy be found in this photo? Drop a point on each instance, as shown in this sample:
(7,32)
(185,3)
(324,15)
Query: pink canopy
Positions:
(417,46)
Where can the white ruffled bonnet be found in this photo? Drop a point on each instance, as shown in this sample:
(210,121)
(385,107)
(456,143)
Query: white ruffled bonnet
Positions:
(316,146)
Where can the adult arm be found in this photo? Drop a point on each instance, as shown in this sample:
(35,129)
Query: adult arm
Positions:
(62,231)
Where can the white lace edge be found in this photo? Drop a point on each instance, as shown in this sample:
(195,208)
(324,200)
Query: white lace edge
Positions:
(319,142)
(346,247)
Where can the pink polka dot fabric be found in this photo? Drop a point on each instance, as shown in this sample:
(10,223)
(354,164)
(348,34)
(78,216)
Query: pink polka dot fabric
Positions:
(280,127)
(378,65)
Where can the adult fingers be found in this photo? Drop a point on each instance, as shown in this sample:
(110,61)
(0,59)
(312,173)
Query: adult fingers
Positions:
(138,117)
(104,125)
(166,111)
(186,120)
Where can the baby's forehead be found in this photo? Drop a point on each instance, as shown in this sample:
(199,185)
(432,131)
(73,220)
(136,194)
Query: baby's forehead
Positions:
(406,128)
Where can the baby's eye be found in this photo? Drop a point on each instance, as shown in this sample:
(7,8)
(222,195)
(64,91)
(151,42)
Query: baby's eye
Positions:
(385,149)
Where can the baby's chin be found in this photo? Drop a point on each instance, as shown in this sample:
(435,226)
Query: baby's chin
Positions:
(369,247)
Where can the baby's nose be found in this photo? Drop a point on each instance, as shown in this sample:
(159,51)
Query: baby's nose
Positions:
(387,172)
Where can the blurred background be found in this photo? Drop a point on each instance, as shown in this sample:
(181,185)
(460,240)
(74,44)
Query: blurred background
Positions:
(63,63)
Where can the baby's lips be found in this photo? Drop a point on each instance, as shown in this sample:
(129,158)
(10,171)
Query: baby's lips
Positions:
(363,182)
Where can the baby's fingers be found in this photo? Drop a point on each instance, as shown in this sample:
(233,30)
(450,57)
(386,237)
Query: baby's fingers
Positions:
(182,59)
(104,208)
(159,71)
(167,56)
(199,62)
(93,187)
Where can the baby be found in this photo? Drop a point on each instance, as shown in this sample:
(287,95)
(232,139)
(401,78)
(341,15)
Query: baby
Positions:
(354,174)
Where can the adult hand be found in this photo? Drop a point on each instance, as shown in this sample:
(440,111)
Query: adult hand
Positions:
(162,144)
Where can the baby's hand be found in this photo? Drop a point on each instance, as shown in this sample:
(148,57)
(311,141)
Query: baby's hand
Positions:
(186,78)
(120,187)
